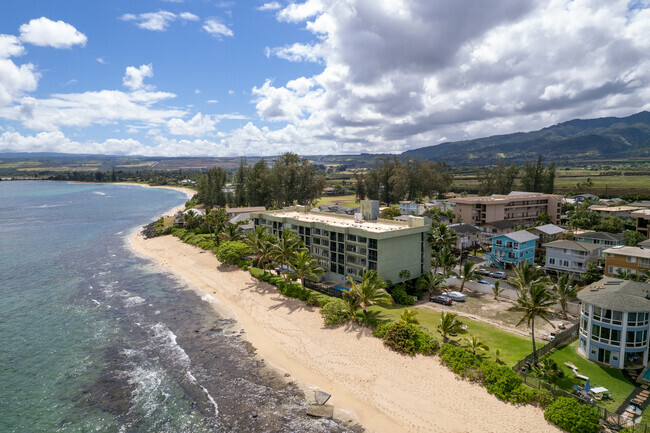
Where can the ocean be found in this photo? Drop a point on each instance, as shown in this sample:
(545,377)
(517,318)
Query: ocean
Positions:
(96,339)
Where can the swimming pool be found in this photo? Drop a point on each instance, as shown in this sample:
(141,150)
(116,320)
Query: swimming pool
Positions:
(341,288)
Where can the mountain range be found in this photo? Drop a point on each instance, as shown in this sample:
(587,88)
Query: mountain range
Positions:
(602,139)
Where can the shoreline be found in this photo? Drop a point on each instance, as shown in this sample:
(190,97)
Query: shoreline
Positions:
(378,388)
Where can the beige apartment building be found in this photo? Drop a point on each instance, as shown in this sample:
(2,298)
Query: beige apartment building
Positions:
(642,218)
(521,208)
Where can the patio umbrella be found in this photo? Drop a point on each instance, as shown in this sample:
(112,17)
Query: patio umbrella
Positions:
(587,386)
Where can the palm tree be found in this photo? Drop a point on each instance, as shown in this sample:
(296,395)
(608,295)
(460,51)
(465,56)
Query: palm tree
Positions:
(466,273)
(526,276)
(231,233)
(441,236)
(430,282)
(645,276)
(450,325)
(283,251)
(305,268)
(445,259)
(548,370)
(626,275)
(565,291)
(534,302)
(215,221)
(496,290)
(409,317)
(474,344)
(371,290)
(352,300)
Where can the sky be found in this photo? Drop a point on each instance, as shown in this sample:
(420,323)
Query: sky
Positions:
(256,77)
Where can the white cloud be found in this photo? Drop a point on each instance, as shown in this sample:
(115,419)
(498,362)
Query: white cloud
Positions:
(47,33)
(16,80)
(158,21)
(101,60)
(212,101)
(10,46)
(407,73)
(198,126)
(187,16)
(216,28)
(134,77)
(270,6)
(85,109)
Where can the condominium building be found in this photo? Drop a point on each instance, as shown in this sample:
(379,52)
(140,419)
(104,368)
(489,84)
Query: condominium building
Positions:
(624,212)
(626,259)
(522,208)
(614,322)
(346,245)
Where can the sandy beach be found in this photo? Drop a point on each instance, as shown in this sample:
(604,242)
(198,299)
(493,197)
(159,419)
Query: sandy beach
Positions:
(383,390)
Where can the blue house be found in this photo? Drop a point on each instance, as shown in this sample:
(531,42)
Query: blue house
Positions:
(614,323)
(512,249)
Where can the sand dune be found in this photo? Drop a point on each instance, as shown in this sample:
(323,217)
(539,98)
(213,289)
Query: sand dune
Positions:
(385,391)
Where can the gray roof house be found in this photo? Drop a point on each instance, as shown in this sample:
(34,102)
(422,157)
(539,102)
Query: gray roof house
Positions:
(603,239)
(467,236)
(614,322)
(569,256)
(547,232)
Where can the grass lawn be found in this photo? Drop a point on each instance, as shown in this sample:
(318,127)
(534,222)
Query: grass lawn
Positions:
(512,348)
(346,200)
(610,378)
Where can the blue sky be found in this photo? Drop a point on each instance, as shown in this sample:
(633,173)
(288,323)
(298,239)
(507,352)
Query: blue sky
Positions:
(223,78)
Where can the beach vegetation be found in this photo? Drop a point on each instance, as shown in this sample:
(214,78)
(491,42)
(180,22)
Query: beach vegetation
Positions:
(283,251)
(572,416)
(232,253)
(410,316)
(370,291)
(430,282)
(401,297)
(335,312)
(450,325)
(406,338)
(231,233)
(475,345)
(496,290)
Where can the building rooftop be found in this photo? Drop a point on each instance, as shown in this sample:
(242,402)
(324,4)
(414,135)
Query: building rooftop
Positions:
(339,220)
(629,251)
(502,224)
(502,198)
(245,209)
(641,213)
(549,229)
(601,208)
(464,228)
(573,245)
(521,236)
(645,244)
(616,294)
(601,235)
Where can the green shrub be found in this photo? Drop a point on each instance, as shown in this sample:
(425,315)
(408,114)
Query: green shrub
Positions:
(500,380)
(334,312)
(461,361)
(406,338)
(401,297)
(256,272)
(572,416)
(276,280)
(231,253)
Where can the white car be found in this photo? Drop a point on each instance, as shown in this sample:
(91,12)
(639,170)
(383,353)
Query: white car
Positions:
(454,296)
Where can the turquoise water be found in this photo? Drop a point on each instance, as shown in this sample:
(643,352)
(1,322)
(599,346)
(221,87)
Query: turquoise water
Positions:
(93,338)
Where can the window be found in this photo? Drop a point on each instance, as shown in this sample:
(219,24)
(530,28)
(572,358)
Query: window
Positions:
(551,261)
(637,319)
(372,243)
(606,335)
(631,259)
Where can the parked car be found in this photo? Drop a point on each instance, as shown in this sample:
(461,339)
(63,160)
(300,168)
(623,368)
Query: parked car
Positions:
(441,300)
(484,282)
(455,296)
(482,271)
(498,274)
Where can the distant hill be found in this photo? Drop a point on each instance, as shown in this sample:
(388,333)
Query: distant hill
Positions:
(606,138)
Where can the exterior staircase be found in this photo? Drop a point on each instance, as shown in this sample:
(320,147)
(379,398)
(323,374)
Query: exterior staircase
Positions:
(494,261)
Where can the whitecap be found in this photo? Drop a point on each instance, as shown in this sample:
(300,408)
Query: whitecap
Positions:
(99,193)
(214,403)
(134,300)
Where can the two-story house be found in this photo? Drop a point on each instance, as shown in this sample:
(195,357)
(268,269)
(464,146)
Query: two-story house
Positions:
(512,249)
(467,236)
(569,256)
(626,259)
(547,232)
(411,208)
(604,240)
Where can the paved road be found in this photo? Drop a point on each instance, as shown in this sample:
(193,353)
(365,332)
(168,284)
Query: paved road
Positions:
(509,292)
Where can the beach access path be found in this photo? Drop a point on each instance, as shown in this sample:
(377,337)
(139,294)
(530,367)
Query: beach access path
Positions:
(383,390)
